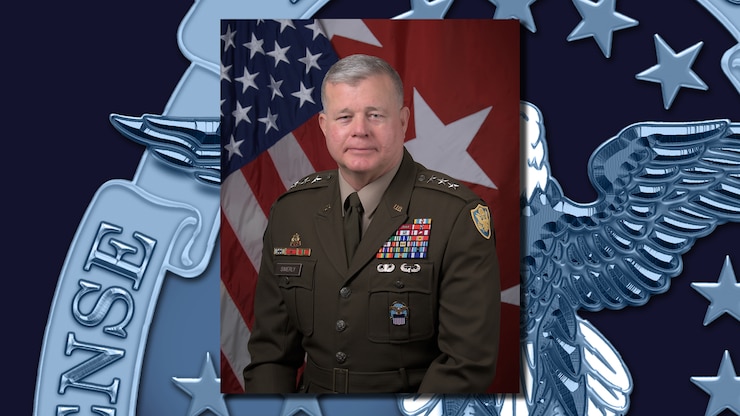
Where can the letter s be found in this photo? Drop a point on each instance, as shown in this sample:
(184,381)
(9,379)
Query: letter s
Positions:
(102,306)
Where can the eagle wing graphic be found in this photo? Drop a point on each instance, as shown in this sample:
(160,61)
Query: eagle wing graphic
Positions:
(189,144)
(661,186)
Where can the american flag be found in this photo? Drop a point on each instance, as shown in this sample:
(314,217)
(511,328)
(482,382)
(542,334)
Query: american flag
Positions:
(271,73)
(463,124)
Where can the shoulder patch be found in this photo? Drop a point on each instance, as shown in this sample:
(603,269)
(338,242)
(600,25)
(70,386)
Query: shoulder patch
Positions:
(482,220)
(435,180)
(314,180)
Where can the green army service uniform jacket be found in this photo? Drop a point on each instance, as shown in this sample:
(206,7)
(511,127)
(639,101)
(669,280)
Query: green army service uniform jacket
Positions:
(425,322)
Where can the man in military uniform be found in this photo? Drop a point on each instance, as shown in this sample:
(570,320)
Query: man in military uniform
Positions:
(413,306)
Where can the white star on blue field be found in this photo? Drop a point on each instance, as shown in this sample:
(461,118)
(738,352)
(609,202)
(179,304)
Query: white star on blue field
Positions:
(205,391)
(723,388)
(600,20)
(723,295)
(515,9)
(673,70)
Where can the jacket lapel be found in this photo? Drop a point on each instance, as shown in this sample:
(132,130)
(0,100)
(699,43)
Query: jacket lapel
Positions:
(390,214)
(328,223)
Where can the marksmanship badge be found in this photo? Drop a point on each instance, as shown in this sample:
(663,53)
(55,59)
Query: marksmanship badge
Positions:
(482,220)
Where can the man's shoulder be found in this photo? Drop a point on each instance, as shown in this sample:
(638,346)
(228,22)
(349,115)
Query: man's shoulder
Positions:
(444,184)
(313,181)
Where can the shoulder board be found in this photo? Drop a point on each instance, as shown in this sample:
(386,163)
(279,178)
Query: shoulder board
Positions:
(314,180)
(439,181)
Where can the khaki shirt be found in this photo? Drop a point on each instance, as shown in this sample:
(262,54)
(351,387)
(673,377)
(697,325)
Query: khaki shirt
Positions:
(423,317)
(369,195)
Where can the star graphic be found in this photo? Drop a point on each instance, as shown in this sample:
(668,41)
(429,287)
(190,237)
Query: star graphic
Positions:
(723,295)
(270,121)
(512,295)
(228,38)
(234,147)
(254,46)
(279,54)
(444,147)
(310,60)
(247,80)
(316,28)
(241,113)
(225,73)
(285,23)
(275,87)
(354,29)
(298,405)
(423,9)
(204,390)
(515,9)
(673,71)
(723,388)
(304,94)
(599,20)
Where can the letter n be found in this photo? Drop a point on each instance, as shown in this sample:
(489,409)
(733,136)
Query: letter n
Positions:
(74,377)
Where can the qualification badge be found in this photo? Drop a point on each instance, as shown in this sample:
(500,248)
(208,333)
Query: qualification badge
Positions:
(293,250)
(482,220)
(399,312)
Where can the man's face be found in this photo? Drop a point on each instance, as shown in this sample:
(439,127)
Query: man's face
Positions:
(364,128)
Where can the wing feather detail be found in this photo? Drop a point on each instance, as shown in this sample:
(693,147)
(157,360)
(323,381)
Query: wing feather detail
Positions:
(189,144)
(661,186)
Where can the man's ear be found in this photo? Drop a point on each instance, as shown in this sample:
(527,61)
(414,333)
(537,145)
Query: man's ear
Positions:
(322,122)
(405,115)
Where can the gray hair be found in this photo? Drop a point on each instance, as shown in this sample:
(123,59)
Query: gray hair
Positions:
(355,68)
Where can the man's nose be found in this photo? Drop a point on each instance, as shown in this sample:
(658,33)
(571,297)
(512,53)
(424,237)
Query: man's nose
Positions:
(359,127)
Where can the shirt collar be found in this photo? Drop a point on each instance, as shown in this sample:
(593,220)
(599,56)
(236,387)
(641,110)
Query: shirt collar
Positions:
(371,193)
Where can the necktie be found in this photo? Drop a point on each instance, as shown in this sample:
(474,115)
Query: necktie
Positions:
(352,224)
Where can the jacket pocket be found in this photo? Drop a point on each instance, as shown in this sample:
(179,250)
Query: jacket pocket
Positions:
(296,282)
(401,302)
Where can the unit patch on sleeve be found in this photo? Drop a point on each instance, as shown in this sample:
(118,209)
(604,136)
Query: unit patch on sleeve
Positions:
(482,220)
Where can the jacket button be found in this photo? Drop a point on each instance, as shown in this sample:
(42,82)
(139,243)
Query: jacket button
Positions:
(341,325)
(399,284)
(341,357)
(345,292)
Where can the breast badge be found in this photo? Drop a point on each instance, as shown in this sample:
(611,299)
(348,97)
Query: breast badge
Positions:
(482,220)
(293,250)
(410,269)
(399,313)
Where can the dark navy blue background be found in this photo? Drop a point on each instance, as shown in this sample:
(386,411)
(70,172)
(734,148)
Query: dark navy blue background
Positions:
(66,71)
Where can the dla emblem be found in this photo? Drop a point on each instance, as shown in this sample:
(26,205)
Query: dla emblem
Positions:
(482,220)
(399,312)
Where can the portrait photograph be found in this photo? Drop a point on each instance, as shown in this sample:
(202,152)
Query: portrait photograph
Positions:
(421,119)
